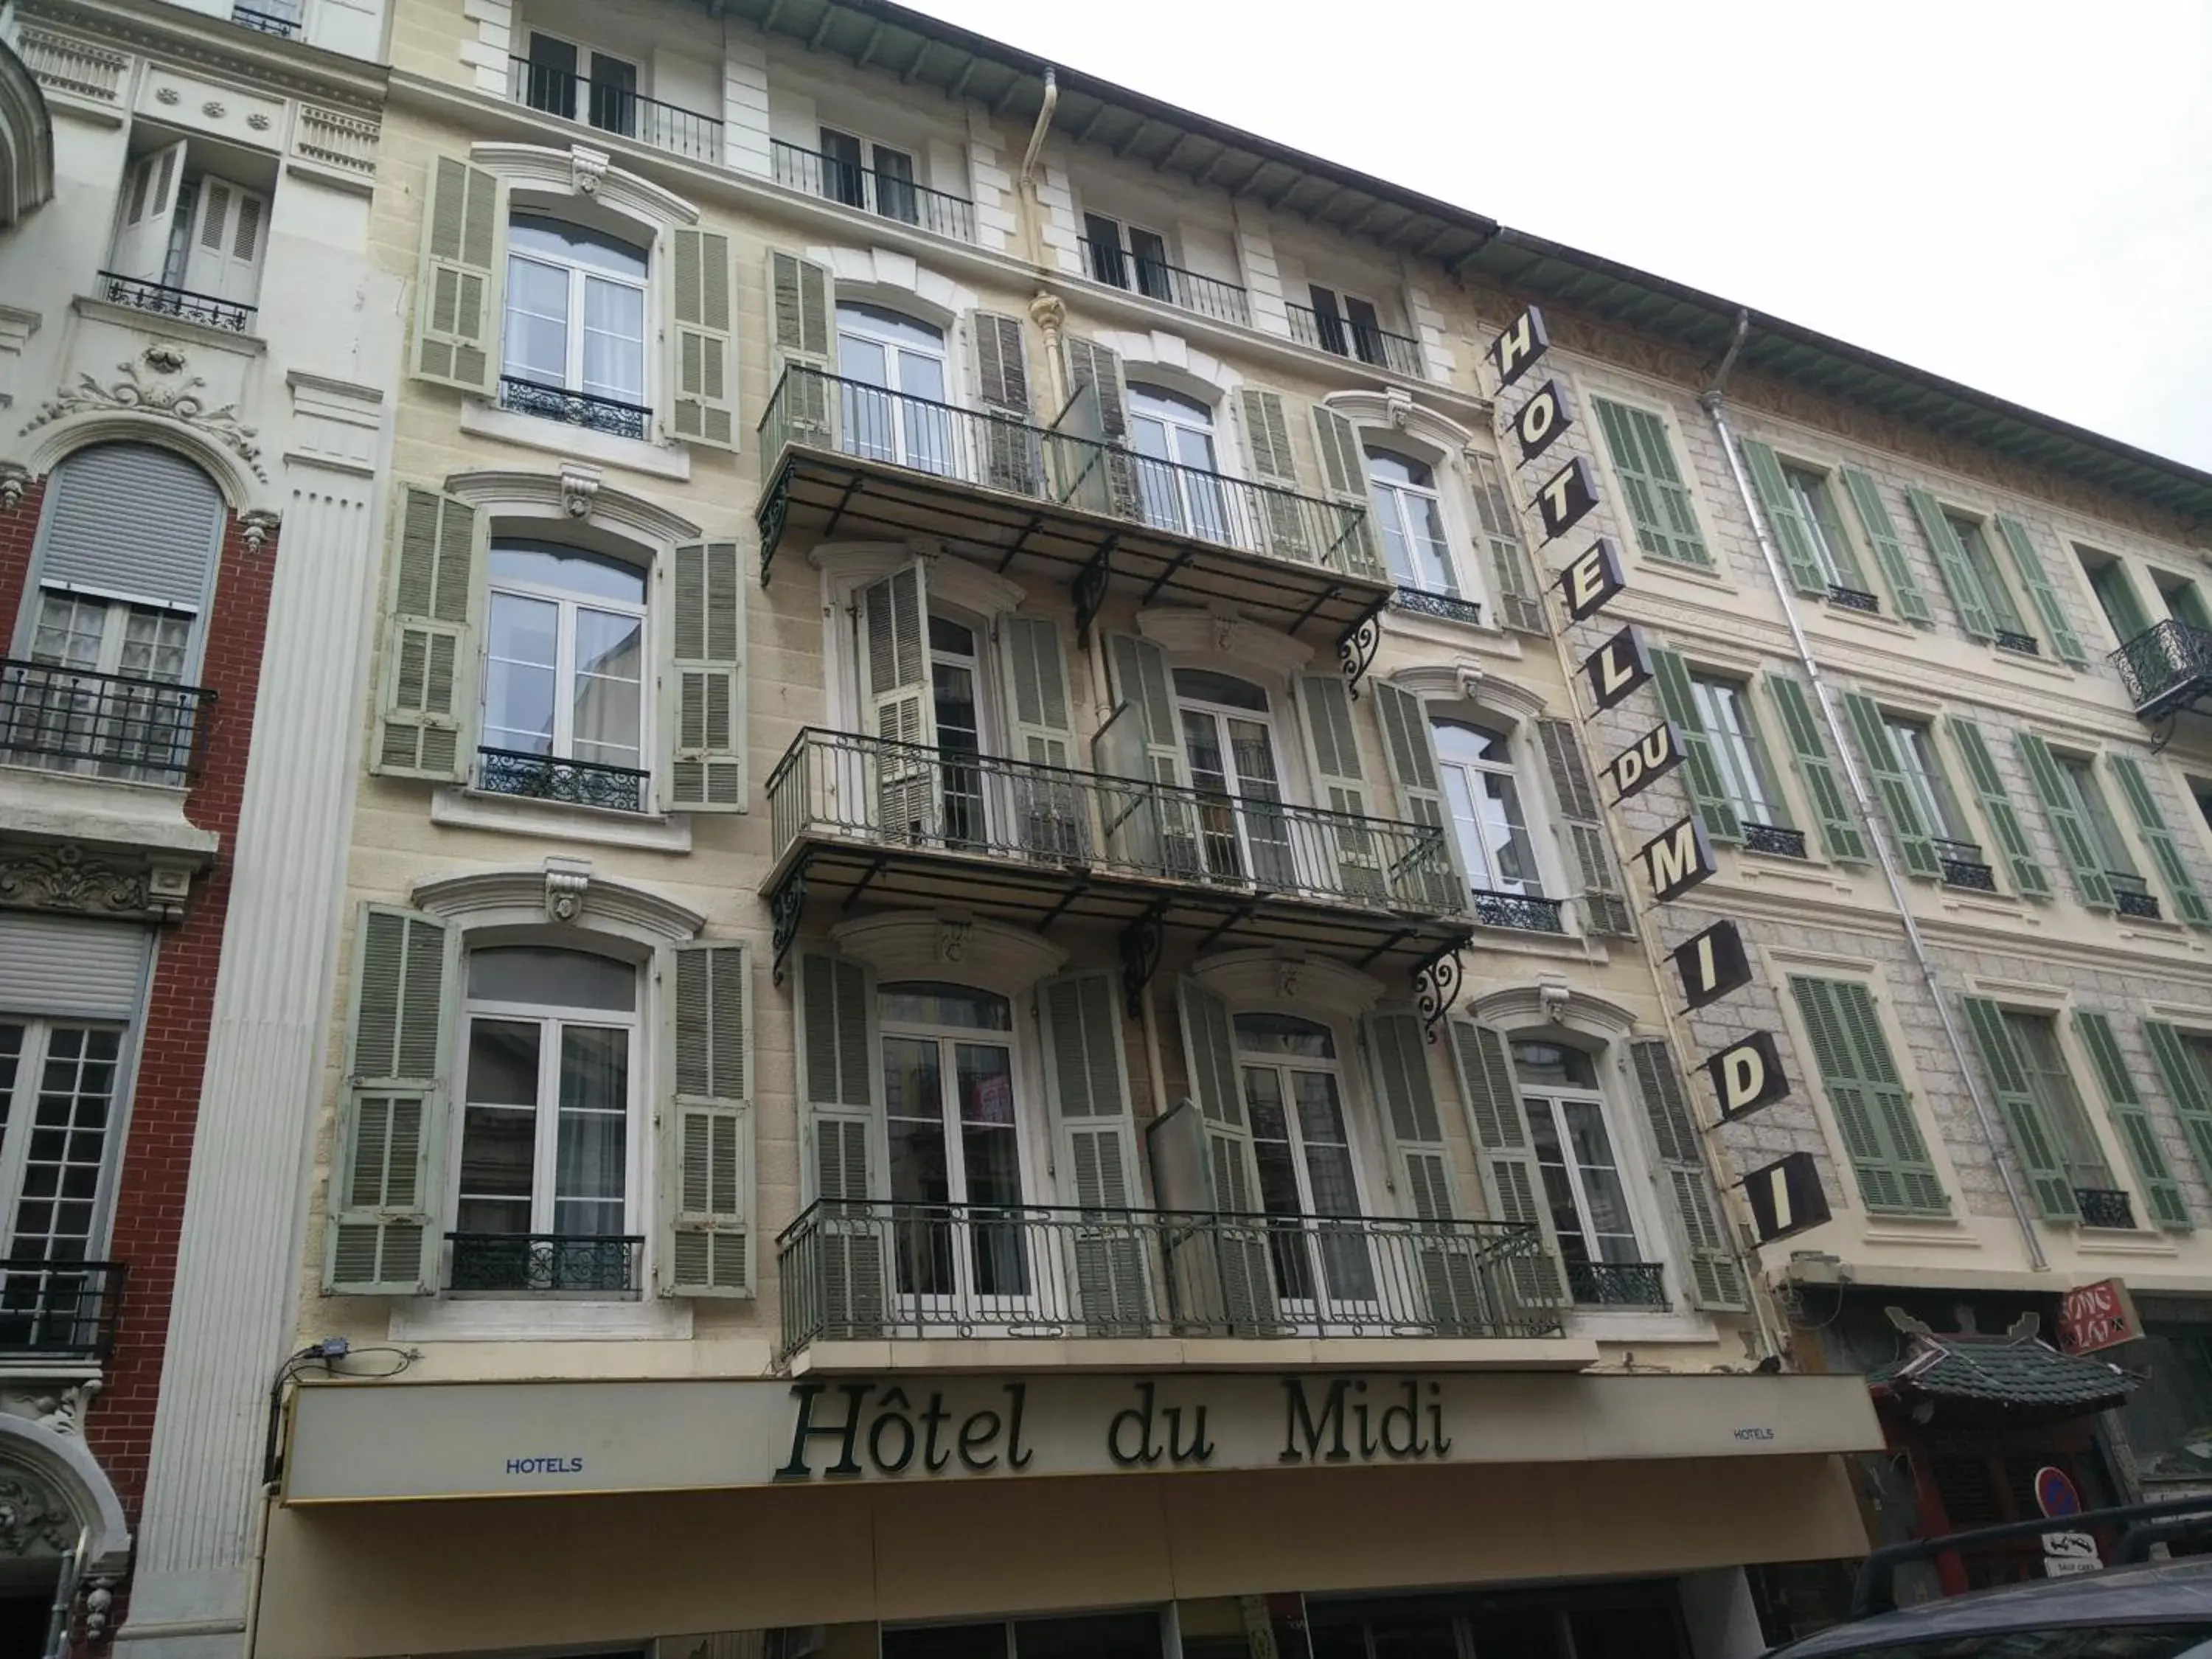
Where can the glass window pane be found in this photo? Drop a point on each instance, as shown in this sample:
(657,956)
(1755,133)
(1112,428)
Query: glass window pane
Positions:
(591,1155)
(1157,400)
(1551,1063)
(520,675)
(537,342)
(1602,1189)
(499,1149)
(1285,1034)
(571,569)
(558,979)
(990,1147)
(863,359)
(890,325)
(578,245)
(1463,740)
(502,1063)
(56,1210)
(1205,685)
(610,692)
(614,340)
(70,631)
(921,375)
(923,1002)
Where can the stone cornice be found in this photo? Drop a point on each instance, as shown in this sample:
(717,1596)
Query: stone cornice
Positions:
(556,493)
(214,42)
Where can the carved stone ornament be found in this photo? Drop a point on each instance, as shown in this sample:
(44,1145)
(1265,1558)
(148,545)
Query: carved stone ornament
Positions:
(1049,312)
(63,878)
(180,401)
(164,94)
(212,109)
(33,1520)
(1398,404)
(1288,973)
(63,1413)
(14,479)
(567,883)
(98,1608)
(579,488)
(258,120)
(256,526)
(952,937)
(588,167)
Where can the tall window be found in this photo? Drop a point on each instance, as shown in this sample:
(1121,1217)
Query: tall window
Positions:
(183,228)
(863,174)
(1659,506)
(553,83)
(956,672)
(1178,485)
(1407,508)
(2183,601)
(58,1082)
(1824,527)
(1582,1176)
(1484,800)
(2004,613)
(575,313)
(1229,743)
(2079,778)
(1294,1102)
(545,1187)
(1353,330)
(893,398)
(1732,731)
(1924,775)
(2035,1039)
(2116,593)
(565,673)
(1141,264)
(956,1151)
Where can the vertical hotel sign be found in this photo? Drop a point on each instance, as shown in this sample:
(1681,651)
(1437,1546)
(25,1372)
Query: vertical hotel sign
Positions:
(1746,1075)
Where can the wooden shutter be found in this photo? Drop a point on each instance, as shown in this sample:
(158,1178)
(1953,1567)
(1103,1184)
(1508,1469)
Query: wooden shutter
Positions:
(841,1098)
(1098,369)
(1658,503)
(1888,551)
(2168,1207)
(1410,748)
(1841,837)
(1421,1171)
(150,208)
(229,232)
(1605,911)
(705,370)
(428,698)
(1086,1076)
(1157,829)
(1908,827)
(999,376)
(1519,598)
(1512,1184)
(802,318)
(707,1243)
(1359,864)
(2034,1143)
(1051,809)
(381,1235)
(1707,793)
(1793,536)
(1344,480)
(1714,1279)
(1242,1261)
(1960,578)
(1263,426)
(2188,902)
(457,300)
(707,759)
(2186,1086)
(1872,1111)
(2116,594)
(1998,811)
(2076,839)
(2040,593)
(895,693)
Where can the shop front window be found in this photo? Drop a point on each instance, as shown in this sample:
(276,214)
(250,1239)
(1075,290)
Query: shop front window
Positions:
(2168,1419)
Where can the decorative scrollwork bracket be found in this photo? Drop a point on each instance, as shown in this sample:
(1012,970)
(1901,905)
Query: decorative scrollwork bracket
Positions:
(1436,986)
(1143,941)
(784,910)
(1355,651)
(770,518)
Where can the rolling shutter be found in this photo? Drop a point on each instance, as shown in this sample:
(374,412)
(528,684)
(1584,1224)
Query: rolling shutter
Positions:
(1714,1279)
(72,967)
(429,691)
(1872,1111)
(707,764)
(2168,1207)
(1997,810)
(705,378)
(1085,1072)
(841,1100)
(706,1242)
(457,299)
(2034,1144)
(131,521)
(1888,551)
(1841,837)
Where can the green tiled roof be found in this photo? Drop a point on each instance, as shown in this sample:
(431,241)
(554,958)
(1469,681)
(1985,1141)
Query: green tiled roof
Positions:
(2002,1370)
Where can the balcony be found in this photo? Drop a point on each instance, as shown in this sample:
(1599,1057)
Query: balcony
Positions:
(616,109)
(1854,599)
(841,455)
(164,300)
(2023,645)
(543,1264)
(883,194)
(60,1310)
(1962,865)
(1156,279)
(1617,1284)
(1363,342)
(2166,669)
(1773,840)
(571,783)
(877,1271)
(105,725)
(552,403)
(2131,895)
(2106,1206)
(1429,603)
(278,17)
(852,816)
(1527,912)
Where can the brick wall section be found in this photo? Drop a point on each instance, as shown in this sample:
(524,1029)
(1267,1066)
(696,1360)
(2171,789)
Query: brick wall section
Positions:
(17,529)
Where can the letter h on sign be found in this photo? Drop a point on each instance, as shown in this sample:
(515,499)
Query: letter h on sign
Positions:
(1514,351)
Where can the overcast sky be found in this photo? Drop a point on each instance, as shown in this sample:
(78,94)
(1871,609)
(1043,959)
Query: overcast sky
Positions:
(2018,195)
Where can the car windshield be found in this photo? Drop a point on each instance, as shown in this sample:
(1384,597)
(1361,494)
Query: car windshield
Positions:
(2190,1641)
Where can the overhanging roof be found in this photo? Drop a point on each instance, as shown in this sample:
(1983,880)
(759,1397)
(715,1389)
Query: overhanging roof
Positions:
(894,40)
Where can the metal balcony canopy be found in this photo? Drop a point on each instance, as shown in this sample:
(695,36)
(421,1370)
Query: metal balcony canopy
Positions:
(890,38)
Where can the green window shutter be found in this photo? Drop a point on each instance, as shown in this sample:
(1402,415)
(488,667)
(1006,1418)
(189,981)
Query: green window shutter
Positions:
(2005,827)
(380,1236)
(2040,593)
(842,1274)
(1841,838)
(2164,852)
(1872,1111)
(1519,598)
(1344,478)
(705,377)
(2185,1086)
(457,296)
(1605,912)
(802,337)
(2033,1142)
(707,753)
(1242,1252)
(2077,843)
(1793,536)
(1410,747)
(1263,427)
(1096,1151)
(1363,864)
(2116,595)
(1452,1274)
(2168,1207)
(1512,1184)
(1709,1269)
(707,1243)
(1888,551)
(1707,793)
(427,700)
(1658,503)
(1959,580)
(1903,810)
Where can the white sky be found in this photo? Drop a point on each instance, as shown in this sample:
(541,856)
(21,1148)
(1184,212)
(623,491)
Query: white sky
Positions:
(2016,196)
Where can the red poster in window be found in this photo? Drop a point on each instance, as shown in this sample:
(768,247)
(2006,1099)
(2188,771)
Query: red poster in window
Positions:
(2099,1315)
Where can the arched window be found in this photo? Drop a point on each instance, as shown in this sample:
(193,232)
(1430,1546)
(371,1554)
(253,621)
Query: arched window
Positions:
(1582,1185)
(575,323)
(1408,509)
(1302,1150)
(1475,765)
(1229,744)
(894,391)
(1177,483)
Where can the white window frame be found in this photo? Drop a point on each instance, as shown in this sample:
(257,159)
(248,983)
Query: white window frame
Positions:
(905,453)
(1732,751)
(1395,494)
(586,78)
(569,601)
(21,1106)
(1126,231)
(1530,888)
(1914,740)
(579,276)
(1288,789)
(2024,619)
(1194,516)
(1793,478)
(1554,1096)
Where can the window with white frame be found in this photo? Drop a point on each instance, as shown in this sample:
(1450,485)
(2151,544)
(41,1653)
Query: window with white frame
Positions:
(547,1186)
(1824,527)
(1229,744)
(189,241)
(1141,264)
(895,406)
(862,173)
(573,81)
(1346,325)
(575,319)
(2050,1080)
(60,1098)
(1178,481)
(1411,515)
(1982,560)
(1287,1072)
(1582,1185)
(1484,797)
(1739,756)
(1915,743)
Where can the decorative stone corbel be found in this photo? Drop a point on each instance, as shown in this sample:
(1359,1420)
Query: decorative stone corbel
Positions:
(1049,312)
(587,167)
(580,489)
(1470,679)
(14,479)
(952,930)
(1398,406)
(1554,995)
(1288,971)
(168,885)
(256,526)
(98,1608)
(63,1413)
(566,882)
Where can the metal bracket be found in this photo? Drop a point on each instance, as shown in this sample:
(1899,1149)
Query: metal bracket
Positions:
(1088,588)
(1143,942)
(1355,651)
(1436,986)
(785,907)
(770,516)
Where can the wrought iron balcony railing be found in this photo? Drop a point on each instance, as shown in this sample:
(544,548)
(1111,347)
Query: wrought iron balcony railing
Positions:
(2105,1207)
(2131,895)
(994,451)
(2026,645)
(547,1264)
(842,786)
(265,21)
(574,782)
(616,109)
(1772,838)
(1617,1284)
(553,403)
(1963,867)
(1156,279)
(164,300)
(59,1309)
(109,725)
(884,194)
(1853,599)
(1449,606)
(1326,332)
(851,1271)
(2165,668)
(1531,912)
